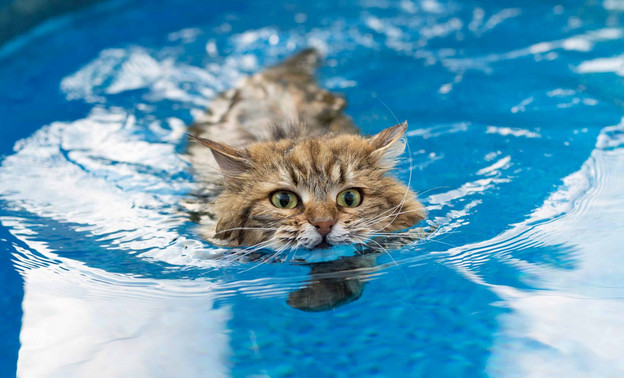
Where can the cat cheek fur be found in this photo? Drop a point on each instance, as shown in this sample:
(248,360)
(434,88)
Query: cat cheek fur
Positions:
(388,206)
(321,168)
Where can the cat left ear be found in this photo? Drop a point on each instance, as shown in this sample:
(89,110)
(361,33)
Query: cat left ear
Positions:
(388,144)
(231,160)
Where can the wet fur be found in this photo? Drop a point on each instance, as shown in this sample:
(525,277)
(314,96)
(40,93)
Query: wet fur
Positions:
(316,157)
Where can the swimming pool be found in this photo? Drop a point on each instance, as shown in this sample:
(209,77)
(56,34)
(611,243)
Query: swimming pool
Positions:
(516,147)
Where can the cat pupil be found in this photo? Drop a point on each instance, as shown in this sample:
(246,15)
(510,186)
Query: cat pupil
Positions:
(349,198)
(284,199)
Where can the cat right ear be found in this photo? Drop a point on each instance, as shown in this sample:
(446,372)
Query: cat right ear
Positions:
(389,144)
(231,160)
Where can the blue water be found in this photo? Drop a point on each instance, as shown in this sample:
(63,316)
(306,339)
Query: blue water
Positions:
(516,138)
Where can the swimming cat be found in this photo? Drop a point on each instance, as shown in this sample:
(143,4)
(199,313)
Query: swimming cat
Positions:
(289,169)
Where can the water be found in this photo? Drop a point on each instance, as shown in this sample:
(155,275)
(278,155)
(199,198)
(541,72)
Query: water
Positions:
(516,146)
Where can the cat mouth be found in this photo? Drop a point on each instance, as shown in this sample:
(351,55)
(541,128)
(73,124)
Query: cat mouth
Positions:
(323,245)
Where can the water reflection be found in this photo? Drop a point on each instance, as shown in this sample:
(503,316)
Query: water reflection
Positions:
(337,276)
(332,284)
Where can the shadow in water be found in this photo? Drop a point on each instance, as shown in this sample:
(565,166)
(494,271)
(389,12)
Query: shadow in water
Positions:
(338,282)
(332,284)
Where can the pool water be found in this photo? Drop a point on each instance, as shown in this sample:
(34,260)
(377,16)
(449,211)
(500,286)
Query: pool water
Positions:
(516,136)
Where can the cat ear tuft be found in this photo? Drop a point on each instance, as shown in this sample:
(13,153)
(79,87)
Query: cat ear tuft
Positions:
(388,144)
(231,160)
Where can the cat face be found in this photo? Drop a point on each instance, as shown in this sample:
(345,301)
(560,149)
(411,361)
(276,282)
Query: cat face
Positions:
(312,193)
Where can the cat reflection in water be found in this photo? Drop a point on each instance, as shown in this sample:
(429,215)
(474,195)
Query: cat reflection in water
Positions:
(272,182)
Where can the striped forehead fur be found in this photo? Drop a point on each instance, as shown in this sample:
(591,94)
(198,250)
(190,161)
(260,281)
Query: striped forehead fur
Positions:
(316,170)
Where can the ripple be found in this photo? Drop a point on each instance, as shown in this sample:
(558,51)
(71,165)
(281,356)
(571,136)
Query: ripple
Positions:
(522,266)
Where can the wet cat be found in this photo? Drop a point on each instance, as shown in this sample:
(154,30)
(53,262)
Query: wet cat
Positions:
(290,169)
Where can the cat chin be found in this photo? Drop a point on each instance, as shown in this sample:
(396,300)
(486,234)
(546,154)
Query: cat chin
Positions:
(324,254)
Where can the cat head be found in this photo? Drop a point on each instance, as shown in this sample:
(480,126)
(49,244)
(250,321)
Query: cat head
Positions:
(312,192)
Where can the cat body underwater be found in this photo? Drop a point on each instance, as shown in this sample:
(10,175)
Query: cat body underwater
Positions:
(282,167)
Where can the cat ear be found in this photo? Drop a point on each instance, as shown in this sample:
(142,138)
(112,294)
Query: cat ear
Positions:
(388,144)
(230,160)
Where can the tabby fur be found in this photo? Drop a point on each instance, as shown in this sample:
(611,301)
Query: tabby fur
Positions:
(279,131)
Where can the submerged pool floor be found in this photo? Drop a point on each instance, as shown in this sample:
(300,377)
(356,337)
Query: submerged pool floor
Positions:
(516,147)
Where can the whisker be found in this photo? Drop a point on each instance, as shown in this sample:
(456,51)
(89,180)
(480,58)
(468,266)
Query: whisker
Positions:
(432,189)
(245,251)
(445,243)
(264,260)
(385,251)
(248,228)
(378,220)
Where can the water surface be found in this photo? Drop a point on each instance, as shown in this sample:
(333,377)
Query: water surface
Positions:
(516,143)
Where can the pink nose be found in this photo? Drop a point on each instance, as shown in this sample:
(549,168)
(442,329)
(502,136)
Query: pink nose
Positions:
(323,227)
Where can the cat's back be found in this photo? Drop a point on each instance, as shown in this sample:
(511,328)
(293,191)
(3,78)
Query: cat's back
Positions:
(280,97)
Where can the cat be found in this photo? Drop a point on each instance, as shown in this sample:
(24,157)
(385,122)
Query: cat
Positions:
(289,169)
(281,166)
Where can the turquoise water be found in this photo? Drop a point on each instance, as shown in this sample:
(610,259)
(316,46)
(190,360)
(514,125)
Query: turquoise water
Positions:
(516,147)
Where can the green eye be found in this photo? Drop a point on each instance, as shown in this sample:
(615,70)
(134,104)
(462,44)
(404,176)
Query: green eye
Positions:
(284,200)
(349,198)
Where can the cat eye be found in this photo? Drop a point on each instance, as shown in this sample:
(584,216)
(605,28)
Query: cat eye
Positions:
(284,200)
(349,198)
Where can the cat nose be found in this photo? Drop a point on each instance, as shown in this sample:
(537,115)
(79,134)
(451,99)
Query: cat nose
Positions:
(323,227)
